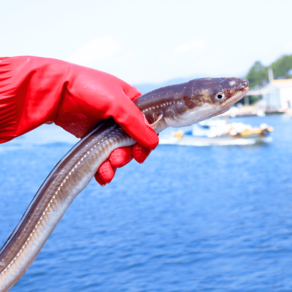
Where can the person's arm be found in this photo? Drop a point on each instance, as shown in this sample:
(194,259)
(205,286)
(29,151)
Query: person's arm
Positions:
(34,91)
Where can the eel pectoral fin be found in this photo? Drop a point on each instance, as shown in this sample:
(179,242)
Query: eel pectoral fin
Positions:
(156,123)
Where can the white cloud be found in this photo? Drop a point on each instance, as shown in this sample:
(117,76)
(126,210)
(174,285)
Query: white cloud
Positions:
(126,57)
(162,57)
(96,50)
(195,45)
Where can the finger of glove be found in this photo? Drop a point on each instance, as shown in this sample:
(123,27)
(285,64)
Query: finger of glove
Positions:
(132,121)
(131,91)
(121,156)
(99,179)
(106,172)
(140,153)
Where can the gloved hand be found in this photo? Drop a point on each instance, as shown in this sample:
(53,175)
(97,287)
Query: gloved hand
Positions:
(36,90)
(118,158)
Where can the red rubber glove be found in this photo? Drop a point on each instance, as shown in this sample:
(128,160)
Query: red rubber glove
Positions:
(118,158)
(34,91)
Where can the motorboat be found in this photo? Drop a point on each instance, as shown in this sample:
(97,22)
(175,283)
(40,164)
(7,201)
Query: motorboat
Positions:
(218,131)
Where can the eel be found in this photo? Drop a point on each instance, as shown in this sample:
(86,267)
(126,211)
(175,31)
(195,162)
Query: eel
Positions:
(175,106)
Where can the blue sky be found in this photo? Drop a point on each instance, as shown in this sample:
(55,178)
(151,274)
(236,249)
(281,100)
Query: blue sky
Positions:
(150,41)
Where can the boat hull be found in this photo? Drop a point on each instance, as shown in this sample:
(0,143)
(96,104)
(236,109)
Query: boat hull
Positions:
(223,141)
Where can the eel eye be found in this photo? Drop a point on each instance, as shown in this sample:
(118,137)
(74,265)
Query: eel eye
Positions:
(219,96)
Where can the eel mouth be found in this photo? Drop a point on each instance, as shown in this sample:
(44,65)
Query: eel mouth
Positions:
(238,96)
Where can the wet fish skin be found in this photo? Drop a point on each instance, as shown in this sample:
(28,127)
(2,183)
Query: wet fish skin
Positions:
(175,105)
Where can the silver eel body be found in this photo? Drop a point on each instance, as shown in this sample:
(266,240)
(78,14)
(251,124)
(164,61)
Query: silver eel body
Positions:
(69,177)
(73,173)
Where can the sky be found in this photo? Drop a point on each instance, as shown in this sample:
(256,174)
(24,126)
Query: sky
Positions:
(150,41)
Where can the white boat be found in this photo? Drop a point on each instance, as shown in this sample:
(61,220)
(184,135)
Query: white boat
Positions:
(219,132)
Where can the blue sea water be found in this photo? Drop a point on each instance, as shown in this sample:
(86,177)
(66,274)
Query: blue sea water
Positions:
(188,219)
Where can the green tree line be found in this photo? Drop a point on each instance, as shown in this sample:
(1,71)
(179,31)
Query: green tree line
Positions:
(258,73)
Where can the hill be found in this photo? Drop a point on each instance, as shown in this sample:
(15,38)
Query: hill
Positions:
(257,76)
(258,73)
(147,87)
